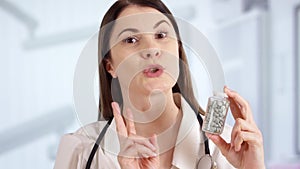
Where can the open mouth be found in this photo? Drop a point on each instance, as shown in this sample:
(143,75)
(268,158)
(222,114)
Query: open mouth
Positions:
(153,71)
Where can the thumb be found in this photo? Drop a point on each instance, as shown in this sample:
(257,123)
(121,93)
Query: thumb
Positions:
(220,143)
(153,141)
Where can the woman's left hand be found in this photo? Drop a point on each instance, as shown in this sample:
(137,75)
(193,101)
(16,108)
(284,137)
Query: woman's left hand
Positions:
(246,148)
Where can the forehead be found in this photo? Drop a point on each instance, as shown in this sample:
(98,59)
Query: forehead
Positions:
(134,9)
(142,18)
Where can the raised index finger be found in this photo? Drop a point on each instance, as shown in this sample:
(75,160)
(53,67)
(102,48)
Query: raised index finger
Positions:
(239,106)
(130,123)
(235,109)
(121,128)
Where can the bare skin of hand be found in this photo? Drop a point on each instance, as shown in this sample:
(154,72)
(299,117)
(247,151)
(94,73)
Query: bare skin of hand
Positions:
(246,148)
(135,151)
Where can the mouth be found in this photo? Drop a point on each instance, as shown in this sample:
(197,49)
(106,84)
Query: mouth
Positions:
(153,71)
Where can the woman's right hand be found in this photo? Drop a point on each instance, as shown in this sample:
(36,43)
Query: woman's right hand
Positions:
(135,151)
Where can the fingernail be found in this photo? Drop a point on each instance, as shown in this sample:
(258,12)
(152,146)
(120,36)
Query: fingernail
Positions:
(226,88)
(116,106)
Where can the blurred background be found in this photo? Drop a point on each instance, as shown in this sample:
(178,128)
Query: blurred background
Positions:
(257,42)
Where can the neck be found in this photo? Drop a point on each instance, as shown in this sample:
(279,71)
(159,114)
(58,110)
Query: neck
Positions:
(153,119)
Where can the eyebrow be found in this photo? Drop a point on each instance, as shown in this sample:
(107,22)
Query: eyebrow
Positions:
(160,22)
(136,30)
(128,29)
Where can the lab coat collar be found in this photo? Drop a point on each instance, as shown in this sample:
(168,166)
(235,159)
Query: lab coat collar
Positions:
(111,143)
(189,143)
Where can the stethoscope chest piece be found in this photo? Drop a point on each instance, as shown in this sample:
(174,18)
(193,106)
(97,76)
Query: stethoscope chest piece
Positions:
(206,162)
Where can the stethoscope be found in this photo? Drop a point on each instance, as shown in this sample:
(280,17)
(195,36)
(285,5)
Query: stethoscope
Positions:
(205,162)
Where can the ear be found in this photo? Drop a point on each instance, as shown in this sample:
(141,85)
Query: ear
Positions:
(110,68)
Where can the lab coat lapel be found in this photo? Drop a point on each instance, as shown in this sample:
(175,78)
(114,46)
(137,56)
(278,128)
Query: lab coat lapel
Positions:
(111,143)
(189,144)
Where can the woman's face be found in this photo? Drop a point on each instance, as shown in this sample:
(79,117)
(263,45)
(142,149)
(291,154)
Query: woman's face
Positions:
(144,51)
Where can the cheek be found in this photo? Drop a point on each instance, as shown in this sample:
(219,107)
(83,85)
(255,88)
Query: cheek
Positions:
(127,68)
(172,48)
(118,56)
(171,57)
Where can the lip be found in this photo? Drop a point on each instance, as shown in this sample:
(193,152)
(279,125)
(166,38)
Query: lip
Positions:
(152,71)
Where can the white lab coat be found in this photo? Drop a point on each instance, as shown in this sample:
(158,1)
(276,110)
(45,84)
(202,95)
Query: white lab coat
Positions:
(75,148)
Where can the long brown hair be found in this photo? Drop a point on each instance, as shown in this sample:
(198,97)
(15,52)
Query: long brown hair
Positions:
(109,92)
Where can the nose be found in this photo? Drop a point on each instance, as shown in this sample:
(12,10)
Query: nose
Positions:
(150,53)
(150,47)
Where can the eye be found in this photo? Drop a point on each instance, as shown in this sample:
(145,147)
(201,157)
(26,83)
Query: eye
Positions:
(131,40)
(161,35)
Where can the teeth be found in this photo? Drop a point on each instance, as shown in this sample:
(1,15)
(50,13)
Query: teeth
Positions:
(153,70)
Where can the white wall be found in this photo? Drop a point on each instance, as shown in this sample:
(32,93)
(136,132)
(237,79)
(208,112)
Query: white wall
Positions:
(282,112)
(37,76)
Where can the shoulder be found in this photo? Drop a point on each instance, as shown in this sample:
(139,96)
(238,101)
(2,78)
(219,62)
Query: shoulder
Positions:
(74,148)
(89,131)
(84,133)
(84,136)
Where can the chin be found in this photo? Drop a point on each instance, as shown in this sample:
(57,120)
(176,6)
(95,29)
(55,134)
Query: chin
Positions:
(159,86)
(142,84)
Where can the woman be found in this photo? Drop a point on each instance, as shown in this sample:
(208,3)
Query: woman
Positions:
(146,95)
